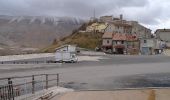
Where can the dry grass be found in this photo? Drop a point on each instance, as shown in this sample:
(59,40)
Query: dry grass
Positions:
(84,40)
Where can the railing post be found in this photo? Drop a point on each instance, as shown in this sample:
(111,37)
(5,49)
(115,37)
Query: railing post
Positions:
(1,93)
(46,81)
(33,84)
(10,90)
(57,79)
(5,95)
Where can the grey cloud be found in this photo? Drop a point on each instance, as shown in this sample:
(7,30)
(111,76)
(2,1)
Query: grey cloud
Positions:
(83,8)
(145,15)
(149,14)
(145,11)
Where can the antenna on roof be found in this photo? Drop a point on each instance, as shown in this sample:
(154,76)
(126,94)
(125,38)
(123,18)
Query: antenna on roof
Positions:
(94,13)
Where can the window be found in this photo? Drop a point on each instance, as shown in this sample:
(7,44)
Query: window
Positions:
(133,45)
(108,41)
(118,42)
(145,41)
(122,42)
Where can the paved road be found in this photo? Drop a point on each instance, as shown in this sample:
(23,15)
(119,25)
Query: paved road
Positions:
(108,73)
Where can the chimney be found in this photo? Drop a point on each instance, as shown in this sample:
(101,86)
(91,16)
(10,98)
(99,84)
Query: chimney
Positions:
(121,17)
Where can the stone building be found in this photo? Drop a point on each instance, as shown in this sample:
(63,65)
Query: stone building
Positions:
(140,30)
(120,43)
(125,44)
(150,46)
(97,27)
(164,35)
(106,18)
(107,43)
(125,36)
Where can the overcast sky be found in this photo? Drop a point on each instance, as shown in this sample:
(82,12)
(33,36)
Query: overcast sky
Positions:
(151,13)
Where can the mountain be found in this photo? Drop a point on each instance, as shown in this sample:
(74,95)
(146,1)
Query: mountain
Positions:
(34,32)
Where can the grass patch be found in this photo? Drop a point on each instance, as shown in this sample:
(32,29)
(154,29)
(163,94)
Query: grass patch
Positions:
(83,40)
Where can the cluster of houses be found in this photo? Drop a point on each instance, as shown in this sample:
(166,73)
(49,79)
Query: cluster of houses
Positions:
(129,37)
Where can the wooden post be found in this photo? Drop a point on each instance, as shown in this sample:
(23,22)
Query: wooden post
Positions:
(46,81)
(33,84)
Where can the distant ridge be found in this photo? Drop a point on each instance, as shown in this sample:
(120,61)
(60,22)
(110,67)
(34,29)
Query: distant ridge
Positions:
(34,31)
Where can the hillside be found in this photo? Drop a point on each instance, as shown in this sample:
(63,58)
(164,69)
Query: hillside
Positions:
(83,40)
(19,33)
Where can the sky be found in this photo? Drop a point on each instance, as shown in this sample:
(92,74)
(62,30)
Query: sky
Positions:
(153,14)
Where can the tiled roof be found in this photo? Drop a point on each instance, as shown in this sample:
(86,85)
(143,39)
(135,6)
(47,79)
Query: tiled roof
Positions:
(130,37)
(108,35)
(124,37)
(118,36)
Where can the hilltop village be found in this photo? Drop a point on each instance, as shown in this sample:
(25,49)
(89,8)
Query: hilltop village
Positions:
(120,36)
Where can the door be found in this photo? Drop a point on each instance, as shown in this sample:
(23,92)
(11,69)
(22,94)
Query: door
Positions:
(120,50)
(146,51)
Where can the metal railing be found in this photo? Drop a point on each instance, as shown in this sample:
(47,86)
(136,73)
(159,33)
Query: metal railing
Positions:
(23,62)
(17,86)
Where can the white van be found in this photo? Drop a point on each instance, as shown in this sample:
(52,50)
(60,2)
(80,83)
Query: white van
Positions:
(64,56)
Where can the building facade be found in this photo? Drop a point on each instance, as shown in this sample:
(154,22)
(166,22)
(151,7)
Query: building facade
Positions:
(120,43)
(151,46)
(163,35)
(106,18)
(140,30)
(126,36)
(121,28)
(125,44)
(97,27)
(107,43)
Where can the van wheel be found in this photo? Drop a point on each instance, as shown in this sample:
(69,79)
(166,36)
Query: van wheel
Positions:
(72,61)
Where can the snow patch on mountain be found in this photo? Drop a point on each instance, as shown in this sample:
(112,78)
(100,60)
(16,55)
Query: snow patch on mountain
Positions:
(43,20)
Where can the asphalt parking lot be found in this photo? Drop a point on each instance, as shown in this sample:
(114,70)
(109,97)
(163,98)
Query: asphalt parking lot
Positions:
(106,72)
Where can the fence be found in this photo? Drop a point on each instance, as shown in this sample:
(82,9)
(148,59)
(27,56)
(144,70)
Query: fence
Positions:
(27,62)
(24,62)
(14,86)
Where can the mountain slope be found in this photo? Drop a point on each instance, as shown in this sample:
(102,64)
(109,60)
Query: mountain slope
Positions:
(34,31)
(83,40)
